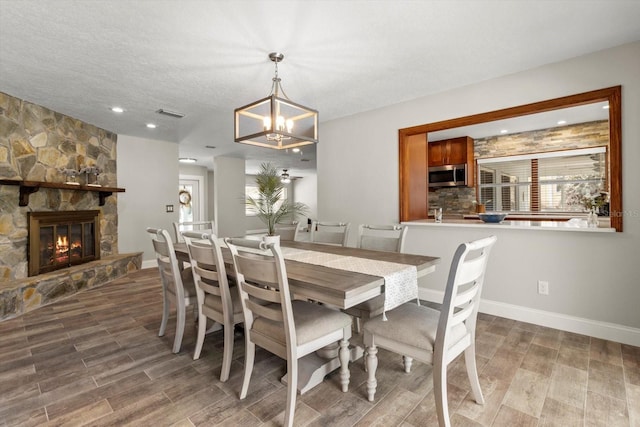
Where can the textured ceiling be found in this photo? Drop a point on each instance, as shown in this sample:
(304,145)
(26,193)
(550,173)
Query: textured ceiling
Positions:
(204,58)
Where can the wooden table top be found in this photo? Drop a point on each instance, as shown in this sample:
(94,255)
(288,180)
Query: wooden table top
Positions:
(341,288)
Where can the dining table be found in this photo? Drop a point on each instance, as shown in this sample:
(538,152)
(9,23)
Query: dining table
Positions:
(337,287)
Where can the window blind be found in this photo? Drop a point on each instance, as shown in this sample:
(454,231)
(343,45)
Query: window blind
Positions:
(543,182)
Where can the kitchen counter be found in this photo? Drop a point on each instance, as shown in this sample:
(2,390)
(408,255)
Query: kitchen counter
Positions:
(579,225)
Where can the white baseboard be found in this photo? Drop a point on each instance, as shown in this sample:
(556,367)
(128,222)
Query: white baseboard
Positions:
(150,263)
(258,231)
(579,325)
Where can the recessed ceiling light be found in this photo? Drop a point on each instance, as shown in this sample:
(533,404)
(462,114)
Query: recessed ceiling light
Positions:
(117,109)
(295,150)
(562,122)
(504,131)
(186,160)
(605,107)
(151,125)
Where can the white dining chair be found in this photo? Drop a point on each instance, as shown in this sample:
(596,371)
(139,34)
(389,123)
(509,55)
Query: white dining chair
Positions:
(432,336)
(289,329)
(389,238)
(199,226)
(332,233)
(177,284)
(287,231)
(216,299)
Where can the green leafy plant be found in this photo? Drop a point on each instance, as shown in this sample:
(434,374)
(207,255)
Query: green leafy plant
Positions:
(587,195)
(268,204)
(593,201)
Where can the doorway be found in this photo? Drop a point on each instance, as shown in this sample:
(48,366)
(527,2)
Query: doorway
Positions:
(191,197)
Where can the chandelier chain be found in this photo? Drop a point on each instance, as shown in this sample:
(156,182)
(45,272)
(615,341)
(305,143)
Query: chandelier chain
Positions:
(276,87)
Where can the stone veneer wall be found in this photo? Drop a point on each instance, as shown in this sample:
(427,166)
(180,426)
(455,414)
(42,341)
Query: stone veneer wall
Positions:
(459,200)
(35,143)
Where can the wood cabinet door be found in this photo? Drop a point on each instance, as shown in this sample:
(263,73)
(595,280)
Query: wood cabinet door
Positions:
(457,151)
(437,153)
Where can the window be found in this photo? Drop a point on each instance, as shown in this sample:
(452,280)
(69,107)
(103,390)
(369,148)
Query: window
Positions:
(554,182)
(252,191)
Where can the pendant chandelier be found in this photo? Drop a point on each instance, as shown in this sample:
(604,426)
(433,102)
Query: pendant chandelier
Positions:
(276,121)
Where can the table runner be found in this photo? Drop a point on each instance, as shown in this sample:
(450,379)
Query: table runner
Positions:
(400,280)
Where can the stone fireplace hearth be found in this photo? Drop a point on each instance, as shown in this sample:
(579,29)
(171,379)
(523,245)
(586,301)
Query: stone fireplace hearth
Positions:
(36,144)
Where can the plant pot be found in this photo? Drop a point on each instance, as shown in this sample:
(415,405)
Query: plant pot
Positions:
(480,208)
(272,239)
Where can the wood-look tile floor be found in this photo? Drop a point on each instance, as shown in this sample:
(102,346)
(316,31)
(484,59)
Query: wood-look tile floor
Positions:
(95,359)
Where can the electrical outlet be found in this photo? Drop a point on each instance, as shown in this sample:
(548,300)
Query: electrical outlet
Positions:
(543,287)
(169,208)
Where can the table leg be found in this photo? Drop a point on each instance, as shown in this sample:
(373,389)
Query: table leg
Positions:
(312,368)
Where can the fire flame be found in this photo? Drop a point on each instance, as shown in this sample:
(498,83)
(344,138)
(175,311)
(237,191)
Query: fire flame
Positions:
(62,245)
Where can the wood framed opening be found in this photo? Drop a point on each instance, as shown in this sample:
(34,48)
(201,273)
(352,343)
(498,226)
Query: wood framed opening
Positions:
(413,149)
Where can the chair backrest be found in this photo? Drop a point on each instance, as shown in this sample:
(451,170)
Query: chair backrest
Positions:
(388,238)
(333,233)
(200,226)
(287,232)
(462,296)
(167,262)
(207,264)
(264,291)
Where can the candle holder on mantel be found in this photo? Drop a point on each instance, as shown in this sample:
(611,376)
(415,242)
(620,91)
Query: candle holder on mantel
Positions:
(92,175)
(71,176)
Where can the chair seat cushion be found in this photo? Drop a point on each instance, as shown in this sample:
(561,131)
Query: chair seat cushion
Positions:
(187,284)
(312,321)
(215,302)
(411,324)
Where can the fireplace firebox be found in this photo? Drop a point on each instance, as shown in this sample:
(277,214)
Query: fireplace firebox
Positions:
(62,239)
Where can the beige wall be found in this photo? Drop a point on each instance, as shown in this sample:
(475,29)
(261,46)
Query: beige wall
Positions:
(229,185)
(593,277)
(151,185)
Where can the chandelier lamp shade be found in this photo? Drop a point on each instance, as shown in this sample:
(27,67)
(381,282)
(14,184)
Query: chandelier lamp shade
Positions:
(276,121)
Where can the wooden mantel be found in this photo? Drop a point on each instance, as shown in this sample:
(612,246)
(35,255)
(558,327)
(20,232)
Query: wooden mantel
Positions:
(29,187)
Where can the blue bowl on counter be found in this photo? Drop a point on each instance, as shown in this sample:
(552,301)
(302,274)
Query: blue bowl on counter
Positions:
(492,217)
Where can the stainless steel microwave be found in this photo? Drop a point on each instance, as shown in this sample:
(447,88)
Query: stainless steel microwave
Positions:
(448,176)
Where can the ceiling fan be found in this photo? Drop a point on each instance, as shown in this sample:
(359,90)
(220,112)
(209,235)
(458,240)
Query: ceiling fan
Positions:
(286,178)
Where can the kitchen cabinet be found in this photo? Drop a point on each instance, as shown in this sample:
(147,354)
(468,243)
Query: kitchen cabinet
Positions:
(454,151)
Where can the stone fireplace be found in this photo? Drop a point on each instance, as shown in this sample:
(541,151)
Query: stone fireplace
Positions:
(36,145)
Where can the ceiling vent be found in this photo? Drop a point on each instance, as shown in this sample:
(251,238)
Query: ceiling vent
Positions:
(170,113)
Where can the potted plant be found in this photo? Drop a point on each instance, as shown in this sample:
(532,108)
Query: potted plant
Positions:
(268,204)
